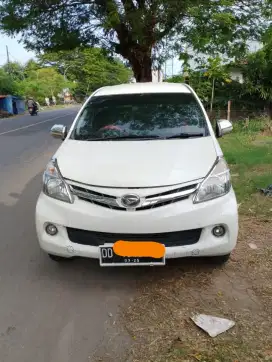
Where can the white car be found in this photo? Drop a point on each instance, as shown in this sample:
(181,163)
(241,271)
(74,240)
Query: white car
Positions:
(140,163)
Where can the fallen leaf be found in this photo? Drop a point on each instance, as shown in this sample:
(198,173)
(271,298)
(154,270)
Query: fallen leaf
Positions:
(198,357)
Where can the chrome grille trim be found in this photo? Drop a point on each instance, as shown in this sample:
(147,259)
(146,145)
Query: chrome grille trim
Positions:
(147,202)
(94,196)
(165,198)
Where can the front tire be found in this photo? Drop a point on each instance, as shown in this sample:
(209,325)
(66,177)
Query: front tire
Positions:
(58,258)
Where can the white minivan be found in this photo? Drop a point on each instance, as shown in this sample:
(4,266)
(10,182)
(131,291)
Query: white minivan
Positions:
(140,164)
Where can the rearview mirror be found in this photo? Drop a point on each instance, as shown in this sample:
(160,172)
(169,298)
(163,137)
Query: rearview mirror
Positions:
(59,131)
(223,126)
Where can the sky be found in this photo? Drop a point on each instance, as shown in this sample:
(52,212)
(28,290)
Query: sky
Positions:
(16,50)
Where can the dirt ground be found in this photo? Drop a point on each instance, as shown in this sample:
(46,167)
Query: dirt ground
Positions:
(158,319)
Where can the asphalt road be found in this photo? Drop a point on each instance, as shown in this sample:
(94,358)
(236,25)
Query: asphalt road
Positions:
(49,312)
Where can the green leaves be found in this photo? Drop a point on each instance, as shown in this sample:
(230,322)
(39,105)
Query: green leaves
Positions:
(134,28)
(80,70)
(224,19)
(258,70)
(90,68)
(7,83)
(15,70)
(41,83)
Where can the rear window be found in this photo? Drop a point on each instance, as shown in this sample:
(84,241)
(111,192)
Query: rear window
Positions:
(159,115)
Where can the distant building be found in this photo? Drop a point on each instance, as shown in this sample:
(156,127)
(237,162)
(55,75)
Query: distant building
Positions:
(65,96)
(236,75)
(236,71)
(157,76)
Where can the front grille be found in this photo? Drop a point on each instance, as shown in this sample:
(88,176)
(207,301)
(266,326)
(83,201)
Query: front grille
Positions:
(94,238)
(148,202)
(147,207)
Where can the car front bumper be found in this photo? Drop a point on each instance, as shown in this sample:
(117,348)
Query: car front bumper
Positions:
(180,216)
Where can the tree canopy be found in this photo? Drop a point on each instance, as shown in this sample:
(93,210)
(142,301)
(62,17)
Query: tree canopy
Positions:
(80,70)
(211,79)
(44,82)
(7,84)
(259,72)
(134,28)
(89,68)
(15,70)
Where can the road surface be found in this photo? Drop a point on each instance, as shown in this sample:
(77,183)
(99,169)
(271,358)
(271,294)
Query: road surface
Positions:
(49,312)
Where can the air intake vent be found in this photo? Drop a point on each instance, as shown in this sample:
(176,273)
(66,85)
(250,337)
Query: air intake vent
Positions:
(93,238)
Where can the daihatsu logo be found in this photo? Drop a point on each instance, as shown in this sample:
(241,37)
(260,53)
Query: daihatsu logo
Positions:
(130,200)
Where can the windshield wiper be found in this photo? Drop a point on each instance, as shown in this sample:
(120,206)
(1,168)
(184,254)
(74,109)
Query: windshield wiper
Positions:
(185,135)
(123,138)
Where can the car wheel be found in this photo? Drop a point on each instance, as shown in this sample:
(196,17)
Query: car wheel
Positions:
(220,259)
(58,258)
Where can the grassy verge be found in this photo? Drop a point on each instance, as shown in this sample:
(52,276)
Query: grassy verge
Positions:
(248,151)
(158,319)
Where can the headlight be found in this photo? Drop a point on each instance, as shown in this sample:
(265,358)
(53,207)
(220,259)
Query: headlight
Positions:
(54,185)
(216,184)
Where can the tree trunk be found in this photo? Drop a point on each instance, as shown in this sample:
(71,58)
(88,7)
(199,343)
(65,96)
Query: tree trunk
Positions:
(141,64)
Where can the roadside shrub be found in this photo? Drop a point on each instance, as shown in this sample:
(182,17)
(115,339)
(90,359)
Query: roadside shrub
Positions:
(256,125)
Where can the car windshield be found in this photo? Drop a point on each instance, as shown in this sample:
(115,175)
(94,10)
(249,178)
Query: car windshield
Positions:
(141,116)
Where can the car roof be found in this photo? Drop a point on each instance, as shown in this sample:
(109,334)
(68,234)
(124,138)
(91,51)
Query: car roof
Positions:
(139,88)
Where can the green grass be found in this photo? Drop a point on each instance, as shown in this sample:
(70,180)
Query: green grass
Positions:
(248,151)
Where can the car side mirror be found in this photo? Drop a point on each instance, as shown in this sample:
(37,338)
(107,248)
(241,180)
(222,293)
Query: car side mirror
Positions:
(223,126)
(59,131)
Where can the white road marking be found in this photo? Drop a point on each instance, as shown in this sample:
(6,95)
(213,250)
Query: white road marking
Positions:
(35,124)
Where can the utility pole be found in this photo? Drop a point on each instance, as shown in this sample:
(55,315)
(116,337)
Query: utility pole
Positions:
(159,73)
(8,59)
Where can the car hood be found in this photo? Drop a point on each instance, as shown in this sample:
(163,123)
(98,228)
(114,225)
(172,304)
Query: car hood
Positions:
(136,163)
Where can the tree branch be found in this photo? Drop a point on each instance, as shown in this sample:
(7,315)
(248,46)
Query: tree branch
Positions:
(128,6)
(141,4)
